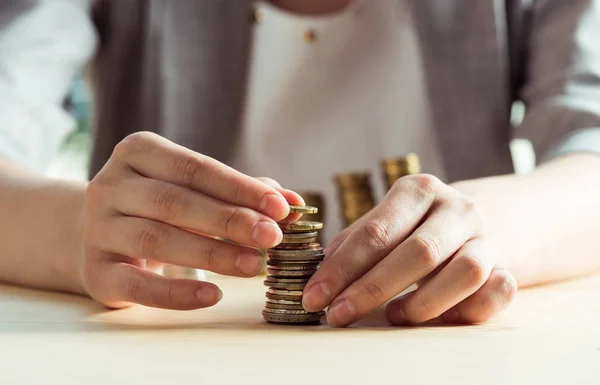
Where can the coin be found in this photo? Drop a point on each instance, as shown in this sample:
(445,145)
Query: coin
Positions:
(288,293)
(291,273)
(303,209)
(270,305)
(276,265)
(286,280)
(311,318)
(300,226)
(294,238)
(293,286)
(284,297)
(290,312)
(283,302)
(298,247)
(293,246)
(357,179)
(310,250)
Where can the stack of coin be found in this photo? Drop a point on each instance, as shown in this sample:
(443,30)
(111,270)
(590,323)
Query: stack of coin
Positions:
(355,195)
(395,168)
(314,199)
(289,267)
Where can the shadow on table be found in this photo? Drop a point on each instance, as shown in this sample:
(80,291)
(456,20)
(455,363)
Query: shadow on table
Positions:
(27,310)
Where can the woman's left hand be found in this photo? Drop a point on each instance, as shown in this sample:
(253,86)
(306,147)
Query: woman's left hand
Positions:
(423,232)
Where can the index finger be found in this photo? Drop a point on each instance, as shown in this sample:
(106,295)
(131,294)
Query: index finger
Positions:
(156,157)
(385,227)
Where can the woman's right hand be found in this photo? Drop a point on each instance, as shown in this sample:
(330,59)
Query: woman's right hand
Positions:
(156,202)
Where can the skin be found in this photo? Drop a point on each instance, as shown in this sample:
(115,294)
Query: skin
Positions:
(467,246)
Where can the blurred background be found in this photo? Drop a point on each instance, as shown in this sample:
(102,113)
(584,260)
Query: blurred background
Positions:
(72,160)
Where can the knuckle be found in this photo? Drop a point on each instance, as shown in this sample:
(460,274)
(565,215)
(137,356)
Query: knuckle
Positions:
(167,201)
(98,188)
(469,206)
(474,269)
(230,220)
(134,288)
(377,234)
(133,143)
(509,287)
(427,251)
(426,184)
(236,191)
(210,256)
(374,291)
(148,240)
(172,293)
(188,169)
(345,273)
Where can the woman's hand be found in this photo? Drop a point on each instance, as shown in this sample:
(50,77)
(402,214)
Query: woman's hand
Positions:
(156,202)
(424,232)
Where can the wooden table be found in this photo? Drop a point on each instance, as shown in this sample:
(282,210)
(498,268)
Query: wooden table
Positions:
(551,335)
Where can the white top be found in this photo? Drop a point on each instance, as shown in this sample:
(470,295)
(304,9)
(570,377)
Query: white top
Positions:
(338,104)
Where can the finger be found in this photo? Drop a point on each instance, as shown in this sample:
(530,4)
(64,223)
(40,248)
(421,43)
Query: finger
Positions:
(466,272)
(497,293)
(341,238)
(446,229)
(159,158)
(290,196)
(372,239)
(120,284)
(147,239)
(185,208)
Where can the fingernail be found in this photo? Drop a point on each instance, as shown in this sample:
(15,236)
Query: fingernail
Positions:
(316,297)
(250,263)
(274,206)
(396,315)
(267,234)
(341,313)
(209,295)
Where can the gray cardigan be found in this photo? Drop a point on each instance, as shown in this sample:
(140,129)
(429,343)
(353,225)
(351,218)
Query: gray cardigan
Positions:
(179,68)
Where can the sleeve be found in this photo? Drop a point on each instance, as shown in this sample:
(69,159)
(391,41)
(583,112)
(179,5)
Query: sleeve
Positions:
(562,82)
(44,44)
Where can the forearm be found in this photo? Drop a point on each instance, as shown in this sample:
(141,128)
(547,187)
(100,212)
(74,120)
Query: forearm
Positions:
(547,223)
(40,230)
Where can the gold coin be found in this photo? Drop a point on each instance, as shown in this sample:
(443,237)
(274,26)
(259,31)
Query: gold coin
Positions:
(300,226)
(357,179)
(284,297)
(288,293)
(303,209)
(306,237)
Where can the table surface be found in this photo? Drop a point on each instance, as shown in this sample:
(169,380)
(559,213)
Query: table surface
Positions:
(550,335)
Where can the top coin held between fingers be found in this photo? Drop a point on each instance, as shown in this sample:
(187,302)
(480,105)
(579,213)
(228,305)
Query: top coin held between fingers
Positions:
(301,226)
(303,209)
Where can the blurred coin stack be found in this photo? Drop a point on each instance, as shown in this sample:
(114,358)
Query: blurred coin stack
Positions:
(395,168)
(289,267)
(314,199)
(355,195)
